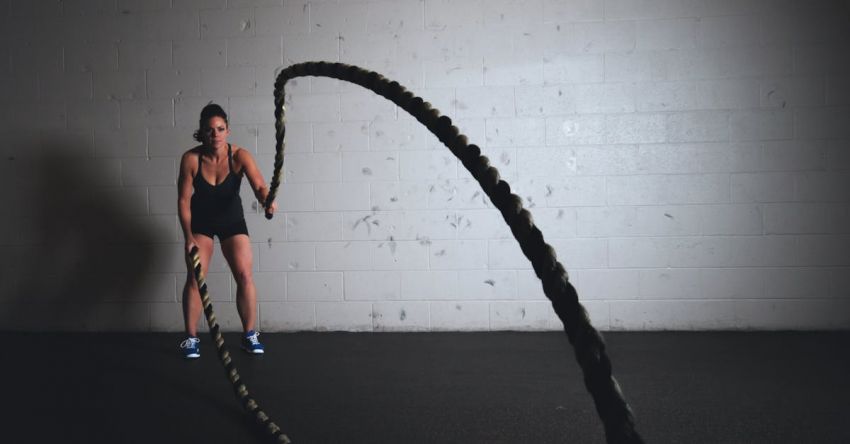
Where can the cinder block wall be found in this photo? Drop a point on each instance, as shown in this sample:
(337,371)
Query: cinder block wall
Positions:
(689,160)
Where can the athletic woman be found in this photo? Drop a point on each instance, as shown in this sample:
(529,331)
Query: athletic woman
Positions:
(209,205)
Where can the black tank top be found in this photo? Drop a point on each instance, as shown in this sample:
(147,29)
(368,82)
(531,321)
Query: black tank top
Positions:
(217,204)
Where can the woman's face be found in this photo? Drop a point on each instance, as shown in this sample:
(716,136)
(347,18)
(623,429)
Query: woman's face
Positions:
(215,132)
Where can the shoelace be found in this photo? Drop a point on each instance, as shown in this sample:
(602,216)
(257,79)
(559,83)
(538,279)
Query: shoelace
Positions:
(253,339)
(189,343)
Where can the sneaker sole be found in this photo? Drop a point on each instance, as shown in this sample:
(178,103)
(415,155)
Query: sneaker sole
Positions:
(193,356)
(253,352)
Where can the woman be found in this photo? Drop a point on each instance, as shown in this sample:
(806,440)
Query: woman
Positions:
(209,205)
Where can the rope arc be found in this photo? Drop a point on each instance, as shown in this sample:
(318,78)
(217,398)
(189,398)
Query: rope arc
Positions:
(587,342)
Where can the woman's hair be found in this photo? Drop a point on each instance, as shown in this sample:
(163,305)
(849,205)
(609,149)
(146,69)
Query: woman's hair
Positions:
(209,111)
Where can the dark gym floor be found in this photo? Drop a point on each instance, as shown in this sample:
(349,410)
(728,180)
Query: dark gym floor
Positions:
(741,387)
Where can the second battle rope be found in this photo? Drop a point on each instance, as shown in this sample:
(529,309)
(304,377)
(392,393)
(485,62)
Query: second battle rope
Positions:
(224,355)
(587,342)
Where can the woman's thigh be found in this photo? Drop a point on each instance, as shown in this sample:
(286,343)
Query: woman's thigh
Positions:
(205,251)
(237,251)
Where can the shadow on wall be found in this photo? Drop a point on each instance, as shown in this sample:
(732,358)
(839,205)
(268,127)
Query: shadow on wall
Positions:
(73,253)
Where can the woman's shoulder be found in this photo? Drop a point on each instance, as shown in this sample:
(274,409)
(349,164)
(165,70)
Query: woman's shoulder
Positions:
(192,154)
(240,154)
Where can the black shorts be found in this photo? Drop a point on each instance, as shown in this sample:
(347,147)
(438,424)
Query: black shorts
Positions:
(223,231)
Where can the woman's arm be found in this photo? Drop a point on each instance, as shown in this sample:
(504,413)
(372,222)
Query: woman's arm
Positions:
(184,197)
(255,178)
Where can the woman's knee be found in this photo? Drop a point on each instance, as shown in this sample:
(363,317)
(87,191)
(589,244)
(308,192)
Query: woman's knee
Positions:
(191,284)
(243,276)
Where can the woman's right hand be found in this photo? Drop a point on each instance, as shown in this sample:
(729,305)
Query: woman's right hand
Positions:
(190,244)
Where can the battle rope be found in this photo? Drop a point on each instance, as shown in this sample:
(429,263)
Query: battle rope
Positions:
(248,403)
(587,342)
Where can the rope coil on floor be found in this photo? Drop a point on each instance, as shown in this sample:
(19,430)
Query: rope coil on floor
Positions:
(587,342)
(248,403)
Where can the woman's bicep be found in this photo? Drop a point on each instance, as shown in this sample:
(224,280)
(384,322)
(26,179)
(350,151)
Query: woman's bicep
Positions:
(184,179)
(252,172)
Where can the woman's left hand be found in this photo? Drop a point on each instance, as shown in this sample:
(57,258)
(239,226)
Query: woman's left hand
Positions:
(272,209)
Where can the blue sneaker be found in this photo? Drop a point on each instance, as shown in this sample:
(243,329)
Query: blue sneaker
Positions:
(251,343)
(191,348)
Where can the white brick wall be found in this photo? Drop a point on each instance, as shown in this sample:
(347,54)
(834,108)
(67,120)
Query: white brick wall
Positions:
(688,161)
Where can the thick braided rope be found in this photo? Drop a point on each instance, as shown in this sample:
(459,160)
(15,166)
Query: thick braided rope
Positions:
(248,403)
(587,341)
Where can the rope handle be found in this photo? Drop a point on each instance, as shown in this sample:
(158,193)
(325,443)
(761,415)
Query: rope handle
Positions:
(267,204)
